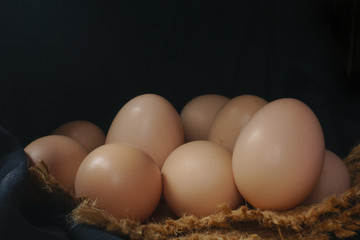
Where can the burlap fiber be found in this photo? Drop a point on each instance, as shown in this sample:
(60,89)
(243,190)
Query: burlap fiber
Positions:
(332,218)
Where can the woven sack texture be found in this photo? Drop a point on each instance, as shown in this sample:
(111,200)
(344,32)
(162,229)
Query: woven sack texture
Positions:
(334,217)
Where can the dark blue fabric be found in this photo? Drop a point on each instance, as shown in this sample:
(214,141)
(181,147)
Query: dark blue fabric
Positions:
(19,220)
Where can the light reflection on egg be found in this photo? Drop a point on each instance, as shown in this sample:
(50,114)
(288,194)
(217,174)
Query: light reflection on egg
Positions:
(279,154)
(197,178)
(149,122)
(122,178)
(277,160)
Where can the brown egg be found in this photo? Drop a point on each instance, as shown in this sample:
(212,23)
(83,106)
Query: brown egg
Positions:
(198,114)
(149,122)
(61,154)
(232,118)
(279,154)
(85,132)
(197,177)
(124,180)
(334,179)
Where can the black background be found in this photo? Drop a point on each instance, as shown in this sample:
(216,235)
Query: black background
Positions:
(68,60)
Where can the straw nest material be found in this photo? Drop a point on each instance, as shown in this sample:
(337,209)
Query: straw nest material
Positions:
(334,217)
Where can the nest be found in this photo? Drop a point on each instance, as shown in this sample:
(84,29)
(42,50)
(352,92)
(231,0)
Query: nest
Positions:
(334,217)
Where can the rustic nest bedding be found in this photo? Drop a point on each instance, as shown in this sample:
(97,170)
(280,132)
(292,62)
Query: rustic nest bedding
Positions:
(332,218)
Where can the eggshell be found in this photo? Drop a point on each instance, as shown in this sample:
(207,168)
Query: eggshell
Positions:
(62,155)
(85,132)
(232,118)
(197,177)
(124,180)
(149,122)
(279,155)
(198,114)
(334,179)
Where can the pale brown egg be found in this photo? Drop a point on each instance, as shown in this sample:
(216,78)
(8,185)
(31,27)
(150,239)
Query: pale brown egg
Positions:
(149,122)
(124,180)
(232,118)
(62,155)
(334,179)
(197,178)
(198,114)
(279,154)
(85,132)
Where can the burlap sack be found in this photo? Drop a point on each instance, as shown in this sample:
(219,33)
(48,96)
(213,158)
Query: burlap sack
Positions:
(332,218)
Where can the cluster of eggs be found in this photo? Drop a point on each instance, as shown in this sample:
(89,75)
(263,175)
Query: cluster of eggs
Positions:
(216,151)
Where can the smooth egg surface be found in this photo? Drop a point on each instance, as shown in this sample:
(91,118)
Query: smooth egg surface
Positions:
(85,132)
(279,155)
(197,178)
(62,155)
(122,178)
(334,179)
(232,118)
(149,122)
(198,114)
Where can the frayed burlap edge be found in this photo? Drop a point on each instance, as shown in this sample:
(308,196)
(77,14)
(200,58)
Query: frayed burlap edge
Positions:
(334,217)
(48,191)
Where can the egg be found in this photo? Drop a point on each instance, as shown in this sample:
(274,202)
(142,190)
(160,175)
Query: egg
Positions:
(149,122)
(197,178)
(197,115)
(279,155)
(62,155)
(85,132)
(334,179)
(232,118)
(122,178)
